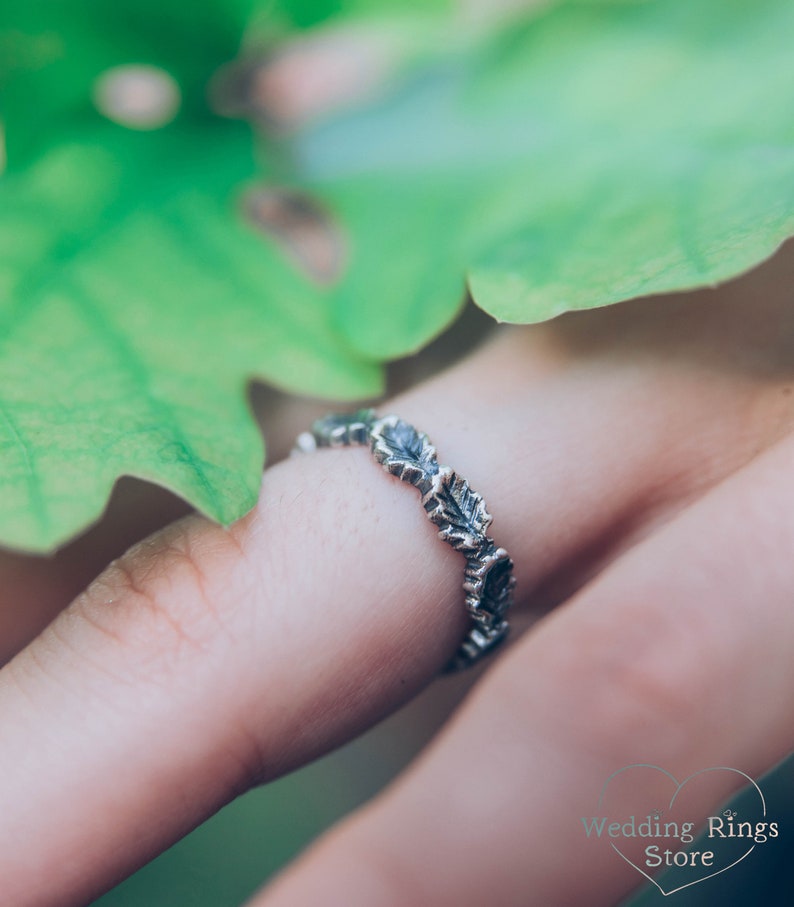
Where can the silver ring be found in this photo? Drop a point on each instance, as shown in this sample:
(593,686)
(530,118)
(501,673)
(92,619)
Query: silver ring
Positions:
(457,511)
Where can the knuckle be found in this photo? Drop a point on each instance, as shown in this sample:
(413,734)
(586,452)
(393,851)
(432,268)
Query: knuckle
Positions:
(643,683)
(172,623)
(385,874)
(157,600)
(635,683)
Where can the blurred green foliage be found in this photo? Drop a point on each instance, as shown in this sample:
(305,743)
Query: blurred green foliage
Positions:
(567,155)
(589,154)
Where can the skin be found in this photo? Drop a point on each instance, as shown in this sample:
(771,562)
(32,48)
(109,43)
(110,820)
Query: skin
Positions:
(638,464)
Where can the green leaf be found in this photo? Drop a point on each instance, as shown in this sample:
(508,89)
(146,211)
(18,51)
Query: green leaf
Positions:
(584,154)
(134,307)
(594,153)
(52,51)
(303,14)
(135,301)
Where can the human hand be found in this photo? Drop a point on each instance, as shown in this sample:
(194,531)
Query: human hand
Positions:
(636,460)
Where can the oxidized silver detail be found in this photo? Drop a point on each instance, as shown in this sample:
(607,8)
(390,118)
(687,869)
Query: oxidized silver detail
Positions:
(404,452)
(458,511)
(450,503)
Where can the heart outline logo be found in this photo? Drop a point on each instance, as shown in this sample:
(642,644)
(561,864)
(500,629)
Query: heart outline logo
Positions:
(679,787)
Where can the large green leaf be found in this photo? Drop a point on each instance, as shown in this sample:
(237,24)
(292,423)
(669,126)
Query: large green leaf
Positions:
(594,153)
(586,154)
(135,302)
(127,335)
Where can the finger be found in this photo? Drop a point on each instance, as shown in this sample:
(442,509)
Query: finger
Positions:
(679,655)
(207,660)
(33,589)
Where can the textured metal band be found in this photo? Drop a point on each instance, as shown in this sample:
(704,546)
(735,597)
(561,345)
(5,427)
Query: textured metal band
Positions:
(457,510)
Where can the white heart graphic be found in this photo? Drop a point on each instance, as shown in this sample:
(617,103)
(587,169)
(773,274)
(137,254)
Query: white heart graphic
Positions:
(679,785)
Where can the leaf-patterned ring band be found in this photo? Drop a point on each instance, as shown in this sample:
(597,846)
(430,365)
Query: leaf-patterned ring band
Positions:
(457,511)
